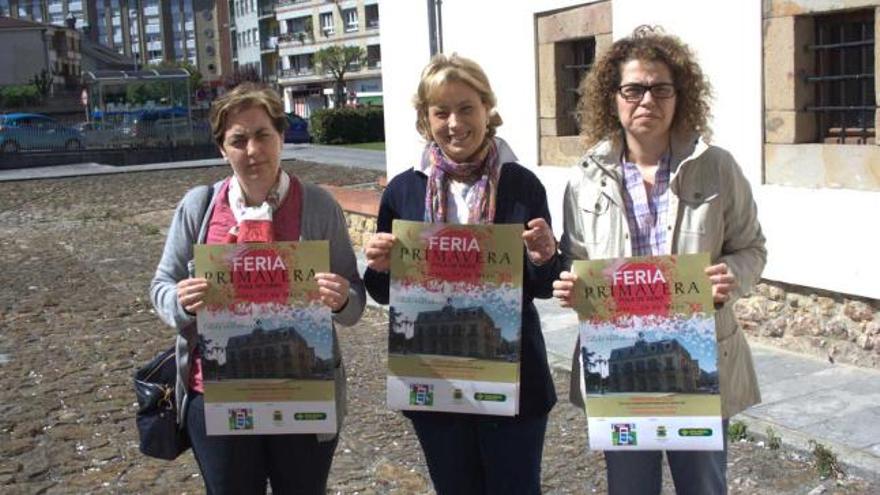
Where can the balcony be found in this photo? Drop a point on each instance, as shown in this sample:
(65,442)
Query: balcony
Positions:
(287,3)
(267,10)
(296,73)
(301,37)
(269,44)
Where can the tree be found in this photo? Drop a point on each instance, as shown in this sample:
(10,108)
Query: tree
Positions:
(195,77)
(43,82)
(338,60)
(247,73)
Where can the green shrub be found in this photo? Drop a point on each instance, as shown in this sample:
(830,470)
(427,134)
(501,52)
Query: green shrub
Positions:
(738,431)
(347,125)
(825,461)
(774,441)
(19,95)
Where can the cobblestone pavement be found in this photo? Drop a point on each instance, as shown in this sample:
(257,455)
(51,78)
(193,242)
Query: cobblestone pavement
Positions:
(75,322)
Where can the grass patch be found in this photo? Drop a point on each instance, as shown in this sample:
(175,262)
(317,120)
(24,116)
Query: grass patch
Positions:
(375,145)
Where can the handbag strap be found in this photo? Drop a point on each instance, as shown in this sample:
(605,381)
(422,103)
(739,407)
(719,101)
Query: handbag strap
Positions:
(206,202)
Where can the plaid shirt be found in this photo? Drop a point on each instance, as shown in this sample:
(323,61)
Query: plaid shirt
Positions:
(646,215)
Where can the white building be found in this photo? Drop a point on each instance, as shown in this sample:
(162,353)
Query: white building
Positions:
(307,26)
(818,201)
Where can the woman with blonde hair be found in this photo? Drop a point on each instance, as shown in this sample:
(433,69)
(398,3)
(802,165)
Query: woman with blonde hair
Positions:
(467,175)
(651,185)
(259,202)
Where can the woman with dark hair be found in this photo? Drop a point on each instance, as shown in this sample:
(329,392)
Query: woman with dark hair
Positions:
(259,202)
(466,175)
(650,184)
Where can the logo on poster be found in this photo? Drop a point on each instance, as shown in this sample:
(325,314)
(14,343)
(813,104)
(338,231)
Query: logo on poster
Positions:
(241,419)
(661,432)
(421,395)
(624,434)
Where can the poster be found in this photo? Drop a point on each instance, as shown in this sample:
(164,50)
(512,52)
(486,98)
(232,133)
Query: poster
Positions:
(455,318)
(266,339)
(649,353)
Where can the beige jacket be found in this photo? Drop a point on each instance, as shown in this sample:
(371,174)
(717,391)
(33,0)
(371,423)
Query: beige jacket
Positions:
(711,209)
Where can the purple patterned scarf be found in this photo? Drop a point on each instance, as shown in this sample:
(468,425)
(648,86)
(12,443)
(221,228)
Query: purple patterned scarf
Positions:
(483,175)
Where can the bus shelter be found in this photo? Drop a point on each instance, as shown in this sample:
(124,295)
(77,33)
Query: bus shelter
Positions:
(132,104)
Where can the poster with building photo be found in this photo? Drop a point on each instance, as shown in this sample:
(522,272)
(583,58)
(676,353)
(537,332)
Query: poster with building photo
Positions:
(265,339)
(454,318)
(649,354)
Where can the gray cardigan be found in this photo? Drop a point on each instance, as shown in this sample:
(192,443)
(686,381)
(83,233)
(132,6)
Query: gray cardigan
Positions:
(321,219)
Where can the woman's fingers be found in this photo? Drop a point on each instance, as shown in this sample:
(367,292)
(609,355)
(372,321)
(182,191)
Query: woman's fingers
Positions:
(722,280)
(333,290)
(563,289)
(539,241)
(378,251)
(191,293)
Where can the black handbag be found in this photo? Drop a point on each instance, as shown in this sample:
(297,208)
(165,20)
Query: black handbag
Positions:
(160,435)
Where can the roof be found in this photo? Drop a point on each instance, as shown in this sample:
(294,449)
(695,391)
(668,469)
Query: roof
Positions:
(106,57)
(11,23)
(642,348)
(116,76)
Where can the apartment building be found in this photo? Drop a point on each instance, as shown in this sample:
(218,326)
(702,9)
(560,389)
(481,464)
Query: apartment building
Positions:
(146,31)
(254,37)
(306,26)
(52,48)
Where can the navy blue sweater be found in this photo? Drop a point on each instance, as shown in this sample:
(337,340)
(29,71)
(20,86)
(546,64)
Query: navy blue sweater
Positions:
(521,197)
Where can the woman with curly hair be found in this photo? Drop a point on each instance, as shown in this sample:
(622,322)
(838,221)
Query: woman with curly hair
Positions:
(650,184)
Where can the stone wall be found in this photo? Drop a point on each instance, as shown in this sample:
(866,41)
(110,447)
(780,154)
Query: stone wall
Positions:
(360,228)
(827,325)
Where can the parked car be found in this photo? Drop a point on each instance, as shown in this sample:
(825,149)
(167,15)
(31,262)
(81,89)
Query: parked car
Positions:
(163,127)
(297,130)
(33,131)
(97,134)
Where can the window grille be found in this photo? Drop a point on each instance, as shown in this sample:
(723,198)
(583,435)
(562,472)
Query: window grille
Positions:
(843,85)
(577,57)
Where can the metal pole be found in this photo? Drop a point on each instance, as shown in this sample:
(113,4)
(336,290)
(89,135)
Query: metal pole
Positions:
(440,25)
(432,27)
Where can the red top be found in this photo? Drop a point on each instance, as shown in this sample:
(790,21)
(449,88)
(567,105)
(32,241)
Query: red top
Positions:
(285,226)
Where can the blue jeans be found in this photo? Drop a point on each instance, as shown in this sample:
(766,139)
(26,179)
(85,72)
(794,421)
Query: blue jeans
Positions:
(470,454)
(693,472)
(295,464)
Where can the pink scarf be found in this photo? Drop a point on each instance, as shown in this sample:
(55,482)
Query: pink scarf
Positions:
(484,175)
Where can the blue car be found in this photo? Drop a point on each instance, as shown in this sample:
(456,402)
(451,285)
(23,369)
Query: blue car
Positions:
(32,131)
(297,130)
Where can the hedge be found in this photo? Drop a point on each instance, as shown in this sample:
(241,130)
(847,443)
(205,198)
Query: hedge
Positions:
(347,125)
(19,95)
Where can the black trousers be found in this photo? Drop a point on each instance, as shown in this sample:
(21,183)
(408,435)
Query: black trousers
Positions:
(241,464)
(482,455)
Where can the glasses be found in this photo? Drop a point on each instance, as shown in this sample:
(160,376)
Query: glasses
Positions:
(634,93)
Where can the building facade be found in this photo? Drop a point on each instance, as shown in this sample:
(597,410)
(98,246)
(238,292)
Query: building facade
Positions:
(795,103)
(662,366)
(465,332)
(269,354)
(55,49)
(306,26)
(255,37)
(148,32)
